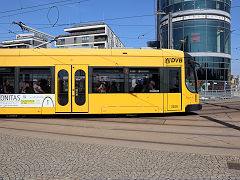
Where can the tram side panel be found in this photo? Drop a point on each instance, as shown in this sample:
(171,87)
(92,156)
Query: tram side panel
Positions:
(123,90)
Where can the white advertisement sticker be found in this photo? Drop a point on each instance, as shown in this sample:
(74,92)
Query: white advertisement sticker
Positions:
(27,100)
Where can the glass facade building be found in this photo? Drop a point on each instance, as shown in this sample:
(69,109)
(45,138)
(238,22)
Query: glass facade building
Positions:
(202,28)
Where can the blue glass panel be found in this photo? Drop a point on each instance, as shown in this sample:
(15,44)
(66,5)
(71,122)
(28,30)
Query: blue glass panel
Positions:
(195,39)
(215,39)
(220,5)
(221,23)
(211,4)
(212,23)
(227,1)
(227,43)
(200,4)
(164,37)
(178,41)
(215,23)
(177,25)
(195,23)
(227,25)
(227,76)
(177,1)
(167,2)
(169,9)
(178,7)
(188,5)
(163,3)
(227,8)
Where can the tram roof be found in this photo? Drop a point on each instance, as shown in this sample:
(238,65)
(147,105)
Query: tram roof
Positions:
(92,52)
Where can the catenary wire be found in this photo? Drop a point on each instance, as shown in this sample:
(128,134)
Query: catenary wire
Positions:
(77,2)
(30,7)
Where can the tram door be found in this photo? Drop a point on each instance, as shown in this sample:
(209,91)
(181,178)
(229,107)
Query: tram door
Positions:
(174,95)
(71,88)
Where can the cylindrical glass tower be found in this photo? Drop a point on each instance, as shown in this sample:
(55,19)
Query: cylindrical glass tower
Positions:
(202,28)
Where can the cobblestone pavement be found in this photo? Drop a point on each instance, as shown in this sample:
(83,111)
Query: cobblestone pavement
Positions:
(179,146)
(23,157)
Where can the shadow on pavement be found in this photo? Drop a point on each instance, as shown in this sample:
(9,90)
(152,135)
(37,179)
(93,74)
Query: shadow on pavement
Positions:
(222,122)
(223,106)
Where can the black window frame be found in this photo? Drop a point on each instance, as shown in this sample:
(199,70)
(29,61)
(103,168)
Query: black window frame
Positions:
(167,78)
(9,74)
(17,76)
(80,94)
(147,68)
(163,73)
(63,97)
(90,78)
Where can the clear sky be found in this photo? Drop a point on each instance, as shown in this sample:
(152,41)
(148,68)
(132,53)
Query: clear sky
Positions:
(133,21)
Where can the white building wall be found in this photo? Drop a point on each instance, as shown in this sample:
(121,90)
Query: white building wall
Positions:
(112,40)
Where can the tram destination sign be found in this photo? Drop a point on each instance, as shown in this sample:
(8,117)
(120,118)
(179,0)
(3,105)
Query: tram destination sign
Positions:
(27,100)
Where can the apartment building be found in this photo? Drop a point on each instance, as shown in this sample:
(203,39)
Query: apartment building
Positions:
(27,40)
(94,35)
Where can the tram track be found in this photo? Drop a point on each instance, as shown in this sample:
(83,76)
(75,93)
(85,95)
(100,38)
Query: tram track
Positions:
(156,120)
(196,130)
(123,122)
(120,129)
(208,104)
(150,131)
(127,139)
(152,119)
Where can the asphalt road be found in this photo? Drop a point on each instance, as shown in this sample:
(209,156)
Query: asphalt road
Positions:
(175,146)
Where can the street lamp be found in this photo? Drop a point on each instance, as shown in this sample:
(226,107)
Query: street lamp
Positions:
(221,31)
(158,13)
(183,41)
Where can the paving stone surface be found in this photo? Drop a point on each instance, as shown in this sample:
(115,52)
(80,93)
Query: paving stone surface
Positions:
(25,158)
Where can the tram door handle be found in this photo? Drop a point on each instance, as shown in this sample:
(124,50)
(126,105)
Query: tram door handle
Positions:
(73,92)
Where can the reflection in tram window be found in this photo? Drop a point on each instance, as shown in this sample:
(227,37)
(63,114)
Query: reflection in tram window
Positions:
(80,88)
(174,81)
(144,80)
(190,76)
(63,87)
(6,80)
(35,80)
(108,80)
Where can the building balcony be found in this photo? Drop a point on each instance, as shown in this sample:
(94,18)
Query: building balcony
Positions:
(60,43)
(85,41)
(100,39)
(89,32)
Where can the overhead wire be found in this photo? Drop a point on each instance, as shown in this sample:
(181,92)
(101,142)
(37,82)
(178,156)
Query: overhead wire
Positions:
(50,26)
(109,19)
(42,9)
(132,25)
(53,24)
(30,7)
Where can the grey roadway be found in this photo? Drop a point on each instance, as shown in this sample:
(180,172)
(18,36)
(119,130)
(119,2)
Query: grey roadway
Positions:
(179,146)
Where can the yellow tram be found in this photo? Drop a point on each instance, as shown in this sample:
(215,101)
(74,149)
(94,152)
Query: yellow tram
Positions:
(96,81)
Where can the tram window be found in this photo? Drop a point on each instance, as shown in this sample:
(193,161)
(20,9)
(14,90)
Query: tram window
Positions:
(174,81)
(6,80)
(63,87)
(190,76)
(144,80)
(35,80)
(108,80)
(80,88)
